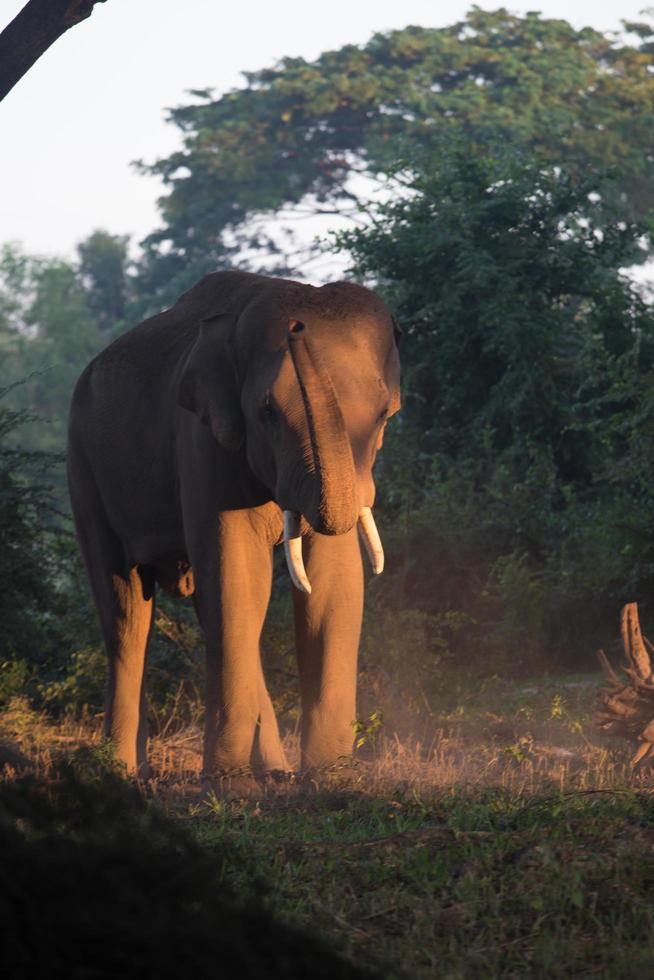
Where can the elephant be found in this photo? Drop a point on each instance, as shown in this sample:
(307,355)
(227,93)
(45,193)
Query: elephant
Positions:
(247,414)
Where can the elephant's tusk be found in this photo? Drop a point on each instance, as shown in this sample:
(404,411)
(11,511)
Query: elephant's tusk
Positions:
(372,541)
(293,552)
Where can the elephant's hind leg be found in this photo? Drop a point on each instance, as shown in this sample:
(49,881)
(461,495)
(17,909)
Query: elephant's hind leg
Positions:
(126,635)
(233,580)
(125,604)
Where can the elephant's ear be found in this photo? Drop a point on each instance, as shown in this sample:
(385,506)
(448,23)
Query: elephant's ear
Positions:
(208,384)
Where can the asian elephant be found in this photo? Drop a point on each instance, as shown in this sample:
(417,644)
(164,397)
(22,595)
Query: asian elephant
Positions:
(249,413)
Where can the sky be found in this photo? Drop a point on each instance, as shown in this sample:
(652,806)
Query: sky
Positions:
(97,99)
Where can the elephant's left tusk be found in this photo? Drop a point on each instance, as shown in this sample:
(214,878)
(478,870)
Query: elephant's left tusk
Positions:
(293,552)
(372,541)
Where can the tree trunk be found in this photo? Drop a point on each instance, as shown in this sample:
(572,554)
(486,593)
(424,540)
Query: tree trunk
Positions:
(32,31)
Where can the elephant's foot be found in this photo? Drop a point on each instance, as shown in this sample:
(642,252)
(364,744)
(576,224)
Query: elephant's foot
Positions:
(326,740)
(245,783)
(276,781)
(240,783)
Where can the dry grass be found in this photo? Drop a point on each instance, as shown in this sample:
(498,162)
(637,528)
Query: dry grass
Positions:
(530,738)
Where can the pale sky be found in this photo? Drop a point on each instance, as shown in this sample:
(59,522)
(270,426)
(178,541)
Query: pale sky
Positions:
(96,100)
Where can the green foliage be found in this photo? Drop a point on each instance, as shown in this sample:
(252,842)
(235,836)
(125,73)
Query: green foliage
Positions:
(97,765)
(300,131)
(28,599)
(520,476)
(103,267)
(79,684)
(55,316)
(406,652)
(15,676)
(368,730)
(45,605)
(175,672)
(457,883)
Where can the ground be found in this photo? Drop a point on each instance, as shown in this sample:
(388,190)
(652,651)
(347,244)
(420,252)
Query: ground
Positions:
(506,839)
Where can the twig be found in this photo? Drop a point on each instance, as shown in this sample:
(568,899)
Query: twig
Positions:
(173,710)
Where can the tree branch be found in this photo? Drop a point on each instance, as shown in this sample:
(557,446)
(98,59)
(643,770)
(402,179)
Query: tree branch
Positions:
(32,31)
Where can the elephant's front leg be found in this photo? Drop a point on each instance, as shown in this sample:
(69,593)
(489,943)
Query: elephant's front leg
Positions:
(328,629)
(232,592)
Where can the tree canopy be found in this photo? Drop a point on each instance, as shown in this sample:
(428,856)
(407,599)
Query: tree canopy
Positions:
(523,451)
(55,315)
(303,131)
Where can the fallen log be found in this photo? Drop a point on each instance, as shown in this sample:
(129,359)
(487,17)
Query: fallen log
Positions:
(627,709)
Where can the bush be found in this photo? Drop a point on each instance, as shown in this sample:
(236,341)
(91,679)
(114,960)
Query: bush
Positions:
(519,477)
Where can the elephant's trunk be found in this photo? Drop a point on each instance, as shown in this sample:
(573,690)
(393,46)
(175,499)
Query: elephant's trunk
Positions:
(333,509)
(293,547)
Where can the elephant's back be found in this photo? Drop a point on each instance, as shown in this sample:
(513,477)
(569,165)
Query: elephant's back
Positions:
(155,348)
(132,379)
(122,424)
(150,351)
(125,400)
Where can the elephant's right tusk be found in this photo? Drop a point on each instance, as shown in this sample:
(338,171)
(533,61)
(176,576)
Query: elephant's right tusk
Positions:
(293,552)
(372,541)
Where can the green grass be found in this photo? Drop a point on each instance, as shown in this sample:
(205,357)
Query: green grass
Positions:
(504,839)
(456,883)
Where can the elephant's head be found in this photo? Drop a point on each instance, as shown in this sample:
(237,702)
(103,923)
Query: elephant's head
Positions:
(306,378)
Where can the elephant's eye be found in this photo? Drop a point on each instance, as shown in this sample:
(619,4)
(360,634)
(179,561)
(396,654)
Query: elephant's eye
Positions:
(383,415)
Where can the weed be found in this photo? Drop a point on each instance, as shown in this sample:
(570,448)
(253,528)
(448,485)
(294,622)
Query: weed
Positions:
(367,732)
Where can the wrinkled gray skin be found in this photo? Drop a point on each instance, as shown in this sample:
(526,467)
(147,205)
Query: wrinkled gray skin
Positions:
(188,437)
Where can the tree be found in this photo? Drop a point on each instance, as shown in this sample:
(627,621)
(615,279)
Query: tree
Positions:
(505,272)
(28,600)
(29,35)
(52,322)
(302,133)
(523,451)
(103,270)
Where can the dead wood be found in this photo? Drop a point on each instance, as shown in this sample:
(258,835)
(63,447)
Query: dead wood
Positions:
(625,707)
(632,641)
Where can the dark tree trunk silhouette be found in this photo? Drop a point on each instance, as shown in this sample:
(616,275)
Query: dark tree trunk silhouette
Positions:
(32,31)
